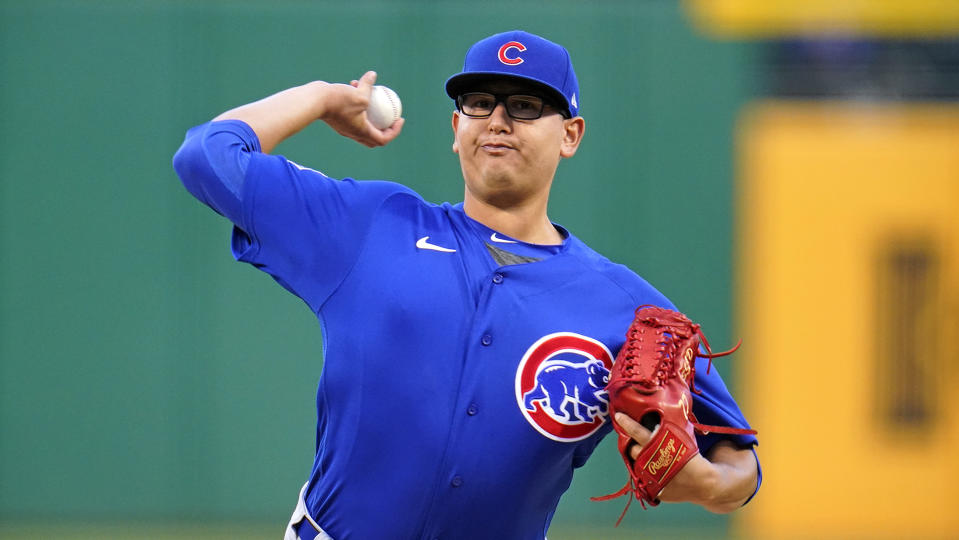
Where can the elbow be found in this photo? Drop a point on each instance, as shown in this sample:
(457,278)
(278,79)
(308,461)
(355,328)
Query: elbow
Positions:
(723,501)
(180,160)
(735,478)
(185,165)
(735,482)
(724,507)
(720,498)
(195,168)
(197,163)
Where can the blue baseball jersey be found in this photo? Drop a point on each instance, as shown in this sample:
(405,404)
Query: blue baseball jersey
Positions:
(463,370)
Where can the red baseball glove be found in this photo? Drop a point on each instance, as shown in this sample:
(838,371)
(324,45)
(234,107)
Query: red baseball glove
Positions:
(652,381)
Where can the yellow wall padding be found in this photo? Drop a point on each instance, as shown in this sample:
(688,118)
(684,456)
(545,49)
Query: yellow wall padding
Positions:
(777,18)
(827,195)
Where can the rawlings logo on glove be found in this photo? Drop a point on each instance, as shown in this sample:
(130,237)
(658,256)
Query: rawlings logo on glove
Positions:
(652,381)
(668,453)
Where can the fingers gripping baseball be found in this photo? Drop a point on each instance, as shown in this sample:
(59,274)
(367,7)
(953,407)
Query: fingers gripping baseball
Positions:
(346,113)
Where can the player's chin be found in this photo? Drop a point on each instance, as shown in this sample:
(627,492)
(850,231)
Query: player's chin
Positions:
(510,164)
(503,192)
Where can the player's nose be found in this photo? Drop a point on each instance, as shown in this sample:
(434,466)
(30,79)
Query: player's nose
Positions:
(499,119)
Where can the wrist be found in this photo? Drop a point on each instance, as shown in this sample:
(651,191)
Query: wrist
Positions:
(316,92)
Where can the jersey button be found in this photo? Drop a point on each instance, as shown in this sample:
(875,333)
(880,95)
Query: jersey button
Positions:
(487,339)
(497,278)
(472,409)
(457,481)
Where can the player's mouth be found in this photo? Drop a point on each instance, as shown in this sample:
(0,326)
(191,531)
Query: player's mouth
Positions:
(496,148)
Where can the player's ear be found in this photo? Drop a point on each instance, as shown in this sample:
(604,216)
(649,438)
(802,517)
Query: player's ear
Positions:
(574,129)
(456,123)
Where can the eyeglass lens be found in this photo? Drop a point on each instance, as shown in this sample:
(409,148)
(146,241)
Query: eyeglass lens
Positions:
(482,104)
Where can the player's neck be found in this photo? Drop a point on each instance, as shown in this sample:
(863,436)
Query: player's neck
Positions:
(528,223)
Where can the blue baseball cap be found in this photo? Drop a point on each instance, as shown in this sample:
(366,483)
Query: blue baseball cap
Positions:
(524,56)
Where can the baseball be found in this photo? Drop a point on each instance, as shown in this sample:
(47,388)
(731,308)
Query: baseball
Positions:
(385,107)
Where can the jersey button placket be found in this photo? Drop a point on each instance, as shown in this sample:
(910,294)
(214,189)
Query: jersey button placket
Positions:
(457,481)
(486,340)
(498,278)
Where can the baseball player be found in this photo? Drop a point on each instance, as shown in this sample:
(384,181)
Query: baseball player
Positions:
(466,346)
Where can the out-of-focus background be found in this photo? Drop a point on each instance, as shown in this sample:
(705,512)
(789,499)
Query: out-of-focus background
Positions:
(787,172)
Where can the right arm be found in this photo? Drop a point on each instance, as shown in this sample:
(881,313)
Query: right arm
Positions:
(213,159)
(283,212)
(343,107)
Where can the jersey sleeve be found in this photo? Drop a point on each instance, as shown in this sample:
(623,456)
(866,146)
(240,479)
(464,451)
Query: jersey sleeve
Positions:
(212,163)
(714,406)
(304,228)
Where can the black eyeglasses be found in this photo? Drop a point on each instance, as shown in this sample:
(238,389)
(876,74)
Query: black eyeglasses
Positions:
(482,104)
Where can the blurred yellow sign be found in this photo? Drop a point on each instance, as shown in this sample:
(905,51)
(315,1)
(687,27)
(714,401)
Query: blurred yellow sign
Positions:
(848,305)
(780,18)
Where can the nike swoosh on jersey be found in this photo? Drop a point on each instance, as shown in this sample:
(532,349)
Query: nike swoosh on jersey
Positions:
(423,244)
(495,238)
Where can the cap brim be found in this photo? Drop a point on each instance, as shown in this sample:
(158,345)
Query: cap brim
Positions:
(457,84)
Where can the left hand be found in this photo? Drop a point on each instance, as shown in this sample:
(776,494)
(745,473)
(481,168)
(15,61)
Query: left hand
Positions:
(696,482)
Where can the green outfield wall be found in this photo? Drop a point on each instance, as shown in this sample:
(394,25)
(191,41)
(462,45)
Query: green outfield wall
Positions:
(145,375)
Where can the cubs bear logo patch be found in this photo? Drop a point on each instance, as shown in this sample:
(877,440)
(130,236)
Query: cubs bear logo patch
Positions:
(561,386)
